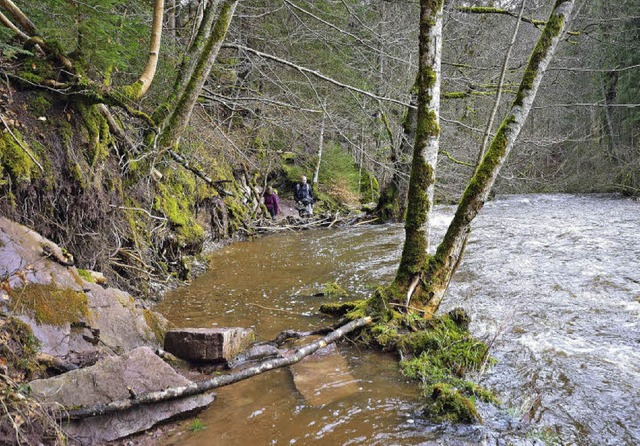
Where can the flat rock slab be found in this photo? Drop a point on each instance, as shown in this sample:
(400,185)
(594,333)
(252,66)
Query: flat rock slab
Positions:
(218,345)
(324,377)
(108,323)
(111,379)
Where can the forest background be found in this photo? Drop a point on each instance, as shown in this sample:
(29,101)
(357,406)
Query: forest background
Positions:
(322,88)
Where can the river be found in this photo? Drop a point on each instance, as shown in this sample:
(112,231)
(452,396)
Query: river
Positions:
(552,281)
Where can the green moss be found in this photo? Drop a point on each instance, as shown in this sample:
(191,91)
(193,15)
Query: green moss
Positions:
(49,304)
(388,207)
(86,275)
(75,171)
(338,309)
(333,289)
(98,131)
(18,347)
(66,131)
(550,31)
(155,325)
(448,404)
(36,70)
(14,159)
(455,95)
(174,199)
(40,105)
(130,92)
(439,356)
(237,213)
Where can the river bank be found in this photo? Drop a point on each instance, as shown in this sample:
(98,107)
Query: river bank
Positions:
(554,288)
(75,321)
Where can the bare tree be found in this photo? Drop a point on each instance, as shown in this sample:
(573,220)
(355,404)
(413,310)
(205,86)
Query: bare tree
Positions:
(425,278)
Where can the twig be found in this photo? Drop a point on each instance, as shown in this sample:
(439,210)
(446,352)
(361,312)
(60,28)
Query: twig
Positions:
(334,220)
(409,307)
(364,222)
(125,208)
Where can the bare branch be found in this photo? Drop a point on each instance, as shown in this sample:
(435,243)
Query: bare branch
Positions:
(503,73)
(316,74)
(489,10)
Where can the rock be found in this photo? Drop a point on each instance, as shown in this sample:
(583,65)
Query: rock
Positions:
(114,378)
(98,278)
(208,344)
(74,320)
(324,377)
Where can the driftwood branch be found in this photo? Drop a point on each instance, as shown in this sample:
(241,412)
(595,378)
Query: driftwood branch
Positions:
(219,381)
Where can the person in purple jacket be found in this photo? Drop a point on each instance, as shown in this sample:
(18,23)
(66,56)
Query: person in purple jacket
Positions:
(271,202)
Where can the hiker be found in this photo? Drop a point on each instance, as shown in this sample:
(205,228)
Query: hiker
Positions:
(303,195)
(271,202)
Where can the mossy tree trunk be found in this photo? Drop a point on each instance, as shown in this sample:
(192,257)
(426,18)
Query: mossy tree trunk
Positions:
(425,151)
(207,52)
(436,271)
(192,55)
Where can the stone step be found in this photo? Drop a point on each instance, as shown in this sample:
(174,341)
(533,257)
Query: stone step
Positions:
(215,345)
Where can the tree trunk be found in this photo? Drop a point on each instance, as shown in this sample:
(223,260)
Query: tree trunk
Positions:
(316,173)
(154,50)
(171,19)
(22,20)
(496,103)
(393,198)
(175,124)
(191,57)
(442,265)
(425,152)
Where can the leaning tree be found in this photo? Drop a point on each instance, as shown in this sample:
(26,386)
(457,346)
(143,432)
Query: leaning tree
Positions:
(422,279)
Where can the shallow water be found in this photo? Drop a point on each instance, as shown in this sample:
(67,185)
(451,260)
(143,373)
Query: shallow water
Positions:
(552,280)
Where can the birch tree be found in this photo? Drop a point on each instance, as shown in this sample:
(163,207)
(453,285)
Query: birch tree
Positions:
(422,280)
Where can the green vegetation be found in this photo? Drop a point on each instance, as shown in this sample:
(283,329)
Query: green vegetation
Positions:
(438,354)
(197,425)
(86,275)
(49,304)
(333,289)
(14,158)
(18,347)
(154,323)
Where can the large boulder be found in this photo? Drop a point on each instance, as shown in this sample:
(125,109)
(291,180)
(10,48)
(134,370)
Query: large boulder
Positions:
(216,345)
(115,378)
(74,319)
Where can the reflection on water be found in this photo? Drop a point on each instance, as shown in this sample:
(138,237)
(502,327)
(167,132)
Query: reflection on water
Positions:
(553,278)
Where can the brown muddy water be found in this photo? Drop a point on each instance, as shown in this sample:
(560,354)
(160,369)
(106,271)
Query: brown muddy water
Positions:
(552,280)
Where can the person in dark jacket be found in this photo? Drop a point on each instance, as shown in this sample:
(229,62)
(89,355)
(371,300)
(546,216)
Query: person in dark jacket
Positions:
(271,202)
(303,195)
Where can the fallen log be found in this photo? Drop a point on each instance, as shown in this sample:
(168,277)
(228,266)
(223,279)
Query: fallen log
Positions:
(219,381)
